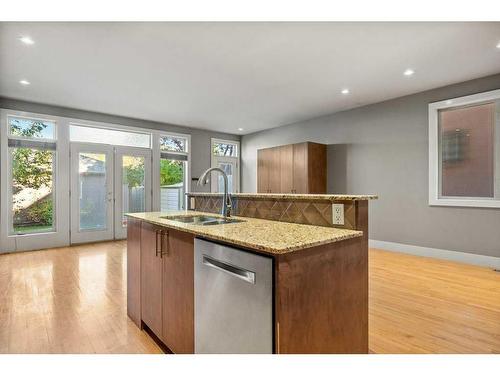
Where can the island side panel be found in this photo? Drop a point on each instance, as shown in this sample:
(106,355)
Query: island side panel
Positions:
(134,270)
(178,292)
(322,299)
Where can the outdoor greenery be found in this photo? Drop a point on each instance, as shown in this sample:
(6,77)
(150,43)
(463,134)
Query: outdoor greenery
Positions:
(171,172)
(31,169)
(32,176)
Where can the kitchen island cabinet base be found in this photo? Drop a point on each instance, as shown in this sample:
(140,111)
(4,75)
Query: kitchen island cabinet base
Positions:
(320,293)
(321,300)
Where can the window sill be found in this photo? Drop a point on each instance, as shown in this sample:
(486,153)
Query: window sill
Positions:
(464,202)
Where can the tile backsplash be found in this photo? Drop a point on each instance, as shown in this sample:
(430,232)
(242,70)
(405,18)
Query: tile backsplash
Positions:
(313,212)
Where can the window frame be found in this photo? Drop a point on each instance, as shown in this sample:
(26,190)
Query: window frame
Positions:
(435,198)
(10,217)
(214,159)
(156,135)
(59,235)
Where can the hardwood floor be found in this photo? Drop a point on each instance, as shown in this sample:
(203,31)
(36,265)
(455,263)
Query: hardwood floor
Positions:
(73,300)
(425,305)
(68,300)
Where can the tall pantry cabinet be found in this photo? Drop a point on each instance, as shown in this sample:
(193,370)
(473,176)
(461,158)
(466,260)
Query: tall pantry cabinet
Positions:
(292,169)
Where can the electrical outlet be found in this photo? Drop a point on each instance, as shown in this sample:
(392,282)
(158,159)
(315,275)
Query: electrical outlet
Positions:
(338,213)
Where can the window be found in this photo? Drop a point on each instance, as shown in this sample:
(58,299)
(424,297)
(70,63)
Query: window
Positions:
(224,148)
(88,134)
(32,155)
(225,155)
(464,150)
(31,128)
(172,143)
(174,158)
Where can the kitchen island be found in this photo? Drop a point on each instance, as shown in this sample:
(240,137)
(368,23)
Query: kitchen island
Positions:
(319,279)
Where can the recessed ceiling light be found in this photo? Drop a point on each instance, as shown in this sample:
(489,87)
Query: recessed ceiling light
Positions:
(27,40)
(498,45)
(408,72)
(345,91)
(24,82)
(240,129)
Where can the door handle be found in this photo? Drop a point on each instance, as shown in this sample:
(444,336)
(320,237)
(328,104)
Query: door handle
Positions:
(157,249)
(240,273)
(162,253)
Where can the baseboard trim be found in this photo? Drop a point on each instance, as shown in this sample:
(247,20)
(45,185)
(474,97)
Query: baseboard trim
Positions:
(456,256)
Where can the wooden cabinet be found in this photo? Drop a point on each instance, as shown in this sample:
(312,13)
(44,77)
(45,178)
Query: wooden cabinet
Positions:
(151,278)
(263,170)
(160,283)
(286,168)
(300,171)
(295,169)
(178,292)
(134,270)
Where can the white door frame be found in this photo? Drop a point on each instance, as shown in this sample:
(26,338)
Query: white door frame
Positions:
(120,151)
(77,235)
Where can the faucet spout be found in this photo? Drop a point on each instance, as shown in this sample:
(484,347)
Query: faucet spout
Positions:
(226,200)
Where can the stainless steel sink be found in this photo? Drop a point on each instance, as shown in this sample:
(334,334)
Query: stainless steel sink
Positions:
(201,219)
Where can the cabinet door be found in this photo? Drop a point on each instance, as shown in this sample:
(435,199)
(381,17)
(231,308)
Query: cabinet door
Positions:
(286,169)
(178,291)
(274,170)
(134,270)
(300,179)
(151,278)
(317,167)
(263,171)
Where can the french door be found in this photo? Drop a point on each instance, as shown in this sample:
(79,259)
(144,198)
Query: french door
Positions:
(132,186)
(106,182)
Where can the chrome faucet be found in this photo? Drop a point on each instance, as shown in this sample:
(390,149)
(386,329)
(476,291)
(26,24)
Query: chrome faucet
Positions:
(226,200)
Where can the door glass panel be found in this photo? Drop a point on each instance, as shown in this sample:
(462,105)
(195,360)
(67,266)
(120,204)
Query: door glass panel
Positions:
(172,187)
(32,172)
(92,190)
(228,168)
(133,186)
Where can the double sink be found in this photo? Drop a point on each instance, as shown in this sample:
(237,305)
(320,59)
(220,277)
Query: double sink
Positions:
(201,219)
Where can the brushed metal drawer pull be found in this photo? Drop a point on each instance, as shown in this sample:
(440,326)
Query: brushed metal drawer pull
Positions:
(240,273)
(167,249)
(156,242)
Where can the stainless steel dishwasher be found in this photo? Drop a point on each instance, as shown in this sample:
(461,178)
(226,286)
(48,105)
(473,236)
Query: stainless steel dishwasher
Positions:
(233,300)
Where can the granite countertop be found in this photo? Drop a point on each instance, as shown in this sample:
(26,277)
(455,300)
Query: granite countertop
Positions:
(267,236)
(327,197)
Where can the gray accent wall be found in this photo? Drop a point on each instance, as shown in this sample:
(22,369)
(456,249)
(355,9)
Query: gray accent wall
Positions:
(200,139)
(383,149)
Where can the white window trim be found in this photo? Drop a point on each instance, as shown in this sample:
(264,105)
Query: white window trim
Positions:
(156,165)
(60,235)
(214,159)
(434,159)
(36,117)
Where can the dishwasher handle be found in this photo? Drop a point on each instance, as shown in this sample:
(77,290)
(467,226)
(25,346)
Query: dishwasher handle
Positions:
(240,273)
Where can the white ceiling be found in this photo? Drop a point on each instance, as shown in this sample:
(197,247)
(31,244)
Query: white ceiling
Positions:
(225,76)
